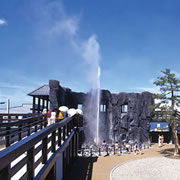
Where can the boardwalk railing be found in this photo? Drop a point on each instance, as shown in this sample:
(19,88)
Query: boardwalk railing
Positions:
(46,154)
(10,117)
(13,129)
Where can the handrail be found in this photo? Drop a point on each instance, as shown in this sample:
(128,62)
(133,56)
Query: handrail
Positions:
(13,116)
(45,170)
(10,153)
(19,121)
(63,130)
(17,129)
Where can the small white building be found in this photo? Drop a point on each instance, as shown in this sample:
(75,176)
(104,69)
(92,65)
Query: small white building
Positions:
(24,109)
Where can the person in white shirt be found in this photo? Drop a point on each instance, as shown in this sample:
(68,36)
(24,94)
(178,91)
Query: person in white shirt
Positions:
(159,141)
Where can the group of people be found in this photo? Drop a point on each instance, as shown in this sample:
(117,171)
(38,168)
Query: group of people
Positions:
(63,113)
(137,148)
(160,140)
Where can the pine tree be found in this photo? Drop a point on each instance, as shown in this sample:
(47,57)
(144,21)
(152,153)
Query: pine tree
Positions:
(168,100)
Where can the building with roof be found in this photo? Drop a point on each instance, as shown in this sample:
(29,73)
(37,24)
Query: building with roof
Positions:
(160,128)
(40,98)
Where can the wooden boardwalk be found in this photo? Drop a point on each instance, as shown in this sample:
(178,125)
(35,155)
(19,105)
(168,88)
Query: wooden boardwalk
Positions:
(35,156)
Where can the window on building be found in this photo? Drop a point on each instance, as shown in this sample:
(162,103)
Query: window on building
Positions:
(80,106)
(102,108)
(124,108)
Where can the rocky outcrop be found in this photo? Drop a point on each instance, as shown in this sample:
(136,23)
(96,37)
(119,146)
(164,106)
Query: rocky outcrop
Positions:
(55,97)
(126,117)
(60,96)
(129,116)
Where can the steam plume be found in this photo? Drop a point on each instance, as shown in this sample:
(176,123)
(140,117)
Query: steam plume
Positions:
(64,25)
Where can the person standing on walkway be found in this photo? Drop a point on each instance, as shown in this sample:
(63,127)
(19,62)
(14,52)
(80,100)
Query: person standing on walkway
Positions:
(116,147)
(105,147)
(140,147)
(136,149)
(127,146)
(162,140)
(159,141)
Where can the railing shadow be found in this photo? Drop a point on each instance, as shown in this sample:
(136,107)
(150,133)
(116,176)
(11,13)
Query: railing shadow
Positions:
(81,169)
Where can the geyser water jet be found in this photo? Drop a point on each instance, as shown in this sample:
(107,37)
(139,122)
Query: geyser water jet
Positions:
(97,105)
(92,57)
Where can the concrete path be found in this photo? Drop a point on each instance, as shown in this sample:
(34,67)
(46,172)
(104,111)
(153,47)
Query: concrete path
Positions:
(100,168)
(156,168)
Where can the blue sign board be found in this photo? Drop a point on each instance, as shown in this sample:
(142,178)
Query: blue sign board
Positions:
(159,126)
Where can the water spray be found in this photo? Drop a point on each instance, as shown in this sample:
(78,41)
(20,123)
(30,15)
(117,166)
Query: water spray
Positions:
(98,104)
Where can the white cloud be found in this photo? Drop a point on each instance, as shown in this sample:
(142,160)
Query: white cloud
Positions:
(3,22)
(55,22)
(69,26)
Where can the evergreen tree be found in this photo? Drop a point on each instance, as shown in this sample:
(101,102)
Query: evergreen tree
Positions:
(167,102)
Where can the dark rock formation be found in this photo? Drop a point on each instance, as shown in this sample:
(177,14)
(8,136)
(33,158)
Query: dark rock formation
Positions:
(128,116)
(54,95)
(125,116)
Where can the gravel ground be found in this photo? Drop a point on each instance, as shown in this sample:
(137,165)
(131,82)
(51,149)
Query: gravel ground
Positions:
(155,168)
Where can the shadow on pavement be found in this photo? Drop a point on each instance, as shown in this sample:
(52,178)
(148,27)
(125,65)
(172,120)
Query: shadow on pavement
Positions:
(81,169)
(169,153)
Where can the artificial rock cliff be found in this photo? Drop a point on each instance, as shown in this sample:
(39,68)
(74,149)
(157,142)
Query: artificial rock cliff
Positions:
(125,116)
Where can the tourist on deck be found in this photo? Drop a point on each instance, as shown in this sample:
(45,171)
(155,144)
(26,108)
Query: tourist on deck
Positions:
(62,112)
(48,116)
(71,112)
(79,111)
(61,115)
(49,113)
(52,118)
(44,111)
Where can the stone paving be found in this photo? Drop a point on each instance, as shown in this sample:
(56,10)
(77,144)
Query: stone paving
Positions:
(155,168)
(103,167)
(152,164)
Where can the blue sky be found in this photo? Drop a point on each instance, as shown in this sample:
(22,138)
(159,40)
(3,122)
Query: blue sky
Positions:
(46,39)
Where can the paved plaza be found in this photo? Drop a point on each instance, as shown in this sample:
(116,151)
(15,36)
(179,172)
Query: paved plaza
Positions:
(153,164)
(155,168)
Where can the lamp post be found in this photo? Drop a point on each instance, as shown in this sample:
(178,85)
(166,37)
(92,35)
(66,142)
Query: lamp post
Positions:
(8,105)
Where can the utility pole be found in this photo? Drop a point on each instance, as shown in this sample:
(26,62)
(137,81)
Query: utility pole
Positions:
(8,106)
